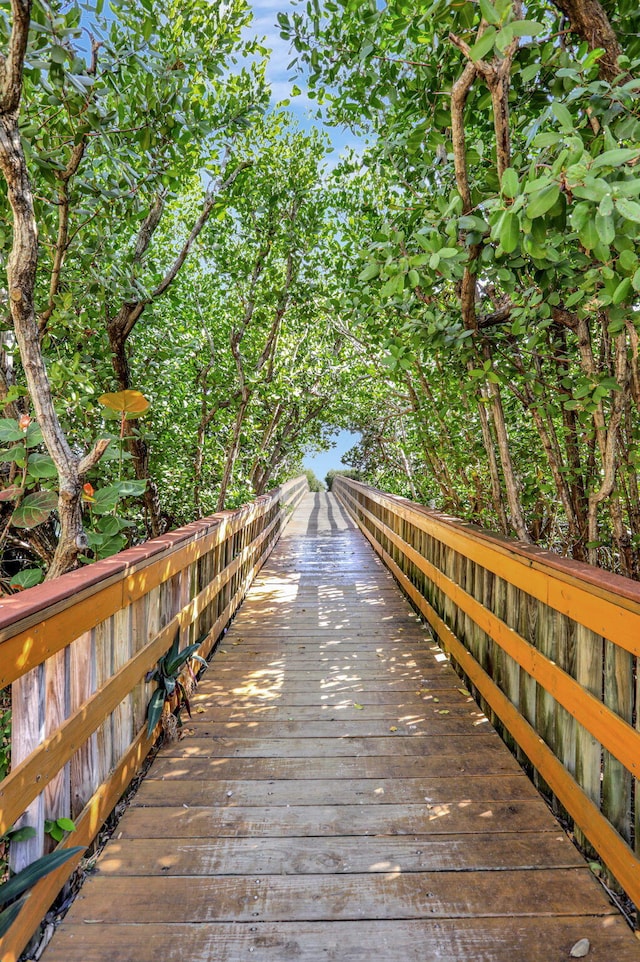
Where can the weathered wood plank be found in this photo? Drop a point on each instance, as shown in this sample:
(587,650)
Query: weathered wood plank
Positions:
(522,815)
(489,939)
(313,856)
(340,897)
(439,722)
(232,792)
(469,762)
(224,746)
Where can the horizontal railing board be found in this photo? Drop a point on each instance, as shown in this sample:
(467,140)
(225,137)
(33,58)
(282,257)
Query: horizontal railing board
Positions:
(102,591)
(507,562)
(41,625)
(568,586)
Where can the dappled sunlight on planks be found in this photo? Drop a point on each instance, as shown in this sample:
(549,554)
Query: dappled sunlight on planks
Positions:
(338,791)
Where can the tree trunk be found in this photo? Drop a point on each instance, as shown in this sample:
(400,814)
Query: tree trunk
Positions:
(588,20)
(232,454)
(137,447)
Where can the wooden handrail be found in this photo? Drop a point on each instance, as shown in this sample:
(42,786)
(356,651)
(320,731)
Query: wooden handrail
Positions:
(102,628)
(549,645)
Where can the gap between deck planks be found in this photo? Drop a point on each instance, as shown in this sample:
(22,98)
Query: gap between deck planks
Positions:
(337,795)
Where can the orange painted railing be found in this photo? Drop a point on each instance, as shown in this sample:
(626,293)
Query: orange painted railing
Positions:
(76,651)
(551,647)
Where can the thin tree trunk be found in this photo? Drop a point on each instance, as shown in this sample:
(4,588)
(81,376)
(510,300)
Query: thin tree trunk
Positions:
(232,454)
(21,276)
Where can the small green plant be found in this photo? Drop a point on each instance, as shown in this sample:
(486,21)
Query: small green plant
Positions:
(58,827)
(14,891)
(167,673)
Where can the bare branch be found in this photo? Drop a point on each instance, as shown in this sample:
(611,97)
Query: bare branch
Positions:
(170,276)
(91,459)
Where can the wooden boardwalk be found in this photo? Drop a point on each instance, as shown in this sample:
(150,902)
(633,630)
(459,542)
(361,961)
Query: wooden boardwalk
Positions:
(338,796)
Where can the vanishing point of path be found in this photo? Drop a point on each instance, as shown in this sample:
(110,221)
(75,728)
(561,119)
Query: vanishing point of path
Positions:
(337,796)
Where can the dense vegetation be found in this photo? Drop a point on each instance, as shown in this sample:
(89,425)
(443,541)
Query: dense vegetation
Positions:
(463,291)
(498,215)
(170,258)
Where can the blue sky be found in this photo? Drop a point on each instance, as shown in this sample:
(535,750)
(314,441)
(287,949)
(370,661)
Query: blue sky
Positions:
(320,464)
(265,25)
(265,14)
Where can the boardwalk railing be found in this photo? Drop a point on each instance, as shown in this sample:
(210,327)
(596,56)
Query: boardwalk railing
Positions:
(76,651)
(551,647)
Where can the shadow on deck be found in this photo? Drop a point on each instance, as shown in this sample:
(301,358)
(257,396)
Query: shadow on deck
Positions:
(337,793)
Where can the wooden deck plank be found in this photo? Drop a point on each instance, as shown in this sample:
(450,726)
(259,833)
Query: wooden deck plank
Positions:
(290,824)
(225,746)
(522,815)
(332,791)
(317,856)
(424,940)
(340,897)
(389,767)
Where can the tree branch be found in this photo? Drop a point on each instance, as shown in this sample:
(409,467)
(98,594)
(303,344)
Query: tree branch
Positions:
(11,66)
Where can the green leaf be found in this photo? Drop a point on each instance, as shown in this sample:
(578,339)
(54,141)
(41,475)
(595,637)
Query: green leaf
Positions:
(510,183)
(10,431)
(34,435)
(484,44)
(588,234)
(130,489)
(605,228)
(605,207)
(622,291)
(628,208)
(543,201)
(154,709)
(21,834)
(615,157)
(472,222)
(35,509)
(489,12)
(58,54)
(563,115)
(526,28)
(66,824)
(41,466)
(394,285)
(510,232)
(27,578)
(9,915)
(370,271)
(33,873)
(504,38)
(105,500)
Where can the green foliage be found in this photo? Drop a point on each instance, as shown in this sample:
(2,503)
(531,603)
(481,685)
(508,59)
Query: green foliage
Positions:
(345,473)
(12,892)
(314,483)
(167,674)
(58,827)
(494,282)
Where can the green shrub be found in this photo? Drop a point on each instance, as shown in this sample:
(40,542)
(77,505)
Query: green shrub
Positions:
(348,473)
